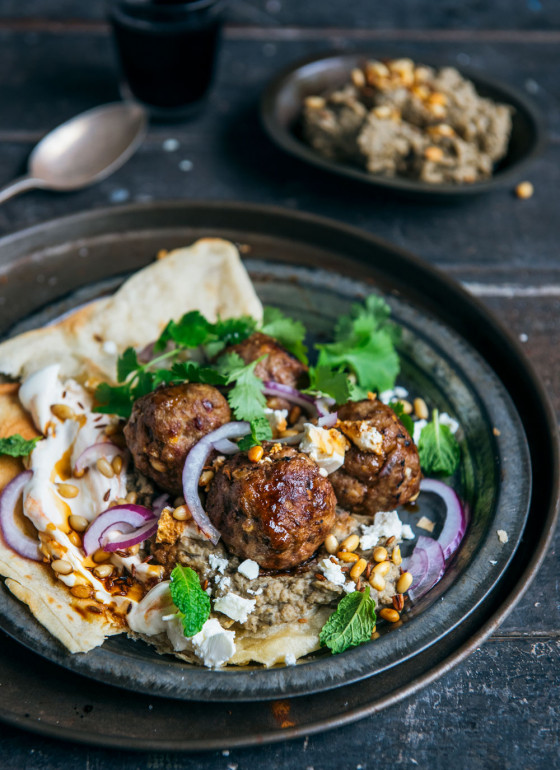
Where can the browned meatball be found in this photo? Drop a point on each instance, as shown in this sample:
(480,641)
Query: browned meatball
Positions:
(378,480)
(277,511)
(278,365)
(166,424)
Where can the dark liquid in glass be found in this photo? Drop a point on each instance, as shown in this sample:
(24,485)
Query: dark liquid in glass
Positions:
(167,49)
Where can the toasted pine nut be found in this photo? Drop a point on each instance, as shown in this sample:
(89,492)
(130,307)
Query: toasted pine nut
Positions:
(377,582)
(63,411)
(524,190)
(406,406)
(103,571)
(78,523)
(315,102)
(78,474)
(75,539)
(294,414)
(380,553)
(121,501)
(358,78)
(68,490)
(390,541)
(388,614)
(404,582)
(157,465)
(55,550)
(396,555)
(358,568)
(81,591)
(181,513)
(347,556)
(61,566)
(421,409)
(255,453)
(437,98)
(104,467)
(133,550)
(351,543)
(435,154)
(382,568)
(205,478)
(331,544)
(117,464)
(132,497)
(100,555)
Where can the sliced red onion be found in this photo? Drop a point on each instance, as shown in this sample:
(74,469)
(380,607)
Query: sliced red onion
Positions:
(226,447)
(21,543)
(323,404)
(159,504)
(92,453)
(455,519)
(129,516)
(290,440)
(427,565)
(128,539)
(272,388)
(328,421)
(195,462)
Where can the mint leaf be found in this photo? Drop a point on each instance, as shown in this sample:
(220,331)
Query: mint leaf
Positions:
(16,446)
(289,333)
(192,602)
(352,622)
(260,431)
(127,363)
(438,448)
(406,419)
(329,382)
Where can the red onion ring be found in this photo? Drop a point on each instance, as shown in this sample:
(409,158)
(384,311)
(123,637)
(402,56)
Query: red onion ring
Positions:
(328,421)
(128,539)
(427,565)
(272,388)
(159,503)
(226,447)
(455,519)
(129,515)
(195,462)
(18,541)
(92,453)
(323,404)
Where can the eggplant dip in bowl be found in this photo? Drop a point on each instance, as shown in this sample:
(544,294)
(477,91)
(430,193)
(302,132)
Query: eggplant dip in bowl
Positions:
(176,465)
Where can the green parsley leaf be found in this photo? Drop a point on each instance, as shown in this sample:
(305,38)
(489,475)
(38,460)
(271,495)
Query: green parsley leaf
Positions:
(438,448)
(127,363)
(328,382)
(192,602)
(289,333)
(351,623)
(260,431)
(406,419)
(16,446)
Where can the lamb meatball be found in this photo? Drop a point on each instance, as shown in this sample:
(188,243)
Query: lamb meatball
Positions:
(381,468)
(166,424)
(278,365)
(277,511)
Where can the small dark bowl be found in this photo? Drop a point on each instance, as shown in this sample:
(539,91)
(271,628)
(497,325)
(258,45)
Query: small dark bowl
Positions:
(281,109)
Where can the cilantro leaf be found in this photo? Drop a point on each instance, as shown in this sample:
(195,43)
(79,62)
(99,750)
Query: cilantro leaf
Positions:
(16,446)
(191,371)
(246,397)
(328,382)
(190,331)
(352,622)
(260,431)
(438,448)
(127,363)
(406,419)
(192,602)
(289,333)
(113,400)
(234,330)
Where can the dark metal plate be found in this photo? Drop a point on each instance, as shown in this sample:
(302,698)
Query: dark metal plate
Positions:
(281,108)
(50,262)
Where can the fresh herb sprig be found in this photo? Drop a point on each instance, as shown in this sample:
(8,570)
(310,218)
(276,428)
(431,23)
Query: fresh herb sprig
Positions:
(16,446)
(351,624)
(193,604)
(438,448)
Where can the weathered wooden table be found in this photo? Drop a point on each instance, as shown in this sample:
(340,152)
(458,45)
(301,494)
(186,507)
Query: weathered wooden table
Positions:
(501,708)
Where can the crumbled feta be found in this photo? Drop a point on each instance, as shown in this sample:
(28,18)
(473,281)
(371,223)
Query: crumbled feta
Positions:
(407,533)
(325,446)
(419,425)
(213,644)
(502,535)
(363,434)
(235,606)
(385,524)
(176,633)
(393,395)
(249,569)
(349,587)
(278,419)
(333,572)
(110,348)
(258,592)
(452,424)
(217,563)
(222,582)
(290,659)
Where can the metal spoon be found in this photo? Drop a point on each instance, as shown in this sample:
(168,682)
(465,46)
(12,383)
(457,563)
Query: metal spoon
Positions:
(83,150)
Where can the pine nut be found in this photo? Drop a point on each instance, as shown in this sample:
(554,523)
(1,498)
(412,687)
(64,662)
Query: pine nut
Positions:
(347,557)
(100,555)
(294,414)
(78,523)
(404,582)
(132,497)
(121,501)
(377,582)
(78,474)
(117,464)
(388,614)
(181,513)
(390,541)
(133,550)
(358,78)
(103,571)
(358,568)
(75,539)
(61,566)
(524,190)
(420,409)
(157,465)
(396,555)
(55,550)
(68,490)
(331,544)
(406,406)
(380,554)
(104,467)
(81,591)
(63,411)
(205,478)
(255,454)
(382,568)
(351,543)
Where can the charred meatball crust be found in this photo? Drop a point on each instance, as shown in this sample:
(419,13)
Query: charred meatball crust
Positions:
(166,424)
(278,365)
(369,482)
(277,511)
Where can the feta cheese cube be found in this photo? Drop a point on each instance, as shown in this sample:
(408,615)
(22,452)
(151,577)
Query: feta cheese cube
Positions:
(213,644)
(249,569)
(326,446)
(333,572)
(234,606)
(363,434)
(217,563)
(385,524)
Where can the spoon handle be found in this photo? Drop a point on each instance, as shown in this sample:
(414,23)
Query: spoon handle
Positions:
(18,186)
